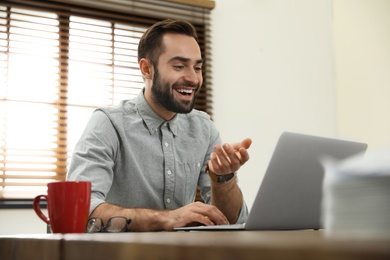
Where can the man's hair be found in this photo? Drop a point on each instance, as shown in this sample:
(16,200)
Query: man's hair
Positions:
(151,46)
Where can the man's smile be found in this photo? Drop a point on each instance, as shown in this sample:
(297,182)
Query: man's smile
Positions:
(185,93)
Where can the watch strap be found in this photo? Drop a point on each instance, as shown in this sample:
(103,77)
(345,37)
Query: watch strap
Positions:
(219,178)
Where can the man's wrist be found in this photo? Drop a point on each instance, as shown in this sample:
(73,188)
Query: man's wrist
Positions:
(219,178)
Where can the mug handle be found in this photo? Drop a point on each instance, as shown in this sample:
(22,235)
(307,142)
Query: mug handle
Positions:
(37,208)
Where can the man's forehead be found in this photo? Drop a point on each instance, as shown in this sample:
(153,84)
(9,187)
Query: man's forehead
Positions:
(181,48)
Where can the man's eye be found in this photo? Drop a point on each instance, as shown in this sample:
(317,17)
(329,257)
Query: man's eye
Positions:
(179,67)
(198,68)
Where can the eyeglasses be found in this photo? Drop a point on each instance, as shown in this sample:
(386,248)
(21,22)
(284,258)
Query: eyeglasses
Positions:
(114,225)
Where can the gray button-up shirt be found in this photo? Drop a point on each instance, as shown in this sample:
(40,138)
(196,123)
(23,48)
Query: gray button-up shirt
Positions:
(136,159)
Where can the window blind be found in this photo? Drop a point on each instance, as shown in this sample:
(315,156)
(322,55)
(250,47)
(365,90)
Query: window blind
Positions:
(59,60)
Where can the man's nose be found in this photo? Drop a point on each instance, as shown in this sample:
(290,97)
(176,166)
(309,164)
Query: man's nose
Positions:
(192,76)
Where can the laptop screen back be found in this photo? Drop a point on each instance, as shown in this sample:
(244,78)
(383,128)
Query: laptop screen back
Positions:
(290,194)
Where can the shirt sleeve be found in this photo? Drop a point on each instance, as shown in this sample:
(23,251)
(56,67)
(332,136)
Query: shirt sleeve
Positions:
(93,157)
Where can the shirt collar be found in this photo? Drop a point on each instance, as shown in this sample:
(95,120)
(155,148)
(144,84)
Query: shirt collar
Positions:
(173,124)
(151,119)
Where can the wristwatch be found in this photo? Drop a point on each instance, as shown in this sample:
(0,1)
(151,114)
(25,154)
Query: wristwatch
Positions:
(219,178)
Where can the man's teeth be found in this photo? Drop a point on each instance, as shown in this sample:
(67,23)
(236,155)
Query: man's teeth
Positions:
(185,91)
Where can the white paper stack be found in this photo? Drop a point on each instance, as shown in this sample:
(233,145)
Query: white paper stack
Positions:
(356,196)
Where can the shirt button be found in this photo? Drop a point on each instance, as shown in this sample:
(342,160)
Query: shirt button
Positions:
(198,165)
(169,172)
(166,144)
(168,200)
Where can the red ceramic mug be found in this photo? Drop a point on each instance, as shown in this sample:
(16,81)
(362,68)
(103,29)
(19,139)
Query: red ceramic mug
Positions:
(67,204)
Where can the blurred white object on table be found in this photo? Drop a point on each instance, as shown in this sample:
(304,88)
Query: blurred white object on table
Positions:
(356,196)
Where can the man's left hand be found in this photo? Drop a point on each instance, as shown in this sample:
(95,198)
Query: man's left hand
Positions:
(229,158)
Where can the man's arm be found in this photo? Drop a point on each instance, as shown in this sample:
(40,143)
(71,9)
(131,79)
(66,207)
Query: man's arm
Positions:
(224,160)
(227,197)
(155,220)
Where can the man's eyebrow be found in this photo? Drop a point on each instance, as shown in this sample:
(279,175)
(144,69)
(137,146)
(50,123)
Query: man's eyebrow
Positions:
(183,59)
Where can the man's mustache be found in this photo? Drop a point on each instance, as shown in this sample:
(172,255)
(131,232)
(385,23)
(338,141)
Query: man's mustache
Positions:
(185,84)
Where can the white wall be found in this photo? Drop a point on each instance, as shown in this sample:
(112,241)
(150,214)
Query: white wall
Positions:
(314,66)
(362,51)
(273,72)
(21,221)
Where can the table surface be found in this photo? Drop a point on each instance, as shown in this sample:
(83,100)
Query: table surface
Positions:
(193,245)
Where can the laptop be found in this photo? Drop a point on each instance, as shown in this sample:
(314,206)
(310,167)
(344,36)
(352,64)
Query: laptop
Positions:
(290,195)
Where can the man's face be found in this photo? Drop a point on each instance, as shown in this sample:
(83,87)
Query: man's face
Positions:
(178,75)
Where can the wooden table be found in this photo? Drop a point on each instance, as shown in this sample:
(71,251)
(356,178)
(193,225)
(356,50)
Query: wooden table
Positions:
(192,245)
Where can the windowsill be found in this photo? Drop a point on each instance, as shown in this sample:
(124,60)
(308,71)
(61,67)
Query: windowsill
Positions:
(20,204)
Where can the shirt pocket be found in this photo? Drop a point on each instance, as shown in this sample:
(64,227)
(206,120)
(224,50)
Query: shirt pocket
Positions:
(187,181)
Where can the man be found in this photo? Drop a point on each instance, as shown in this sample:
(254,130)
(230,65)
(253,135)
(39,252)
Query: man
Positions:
(145,157)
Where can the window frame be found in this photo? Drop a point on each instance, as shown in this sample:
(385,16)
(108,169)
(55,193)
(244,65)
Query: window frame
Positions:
(130,15)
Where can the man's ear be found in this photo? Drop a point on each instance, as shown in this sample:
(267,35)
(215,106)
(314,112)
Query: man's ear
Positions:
(146,68)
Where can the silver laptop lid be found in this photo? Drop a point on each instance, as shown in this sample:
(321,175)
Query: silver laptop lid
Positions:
(291,192)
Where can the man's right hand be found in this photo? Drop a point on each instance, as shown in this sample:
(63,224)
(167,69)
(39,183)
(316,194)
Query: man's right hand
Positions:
(196,213)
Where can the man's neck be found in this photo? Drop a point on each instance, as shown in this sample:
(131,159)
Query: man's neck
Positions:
(157,108)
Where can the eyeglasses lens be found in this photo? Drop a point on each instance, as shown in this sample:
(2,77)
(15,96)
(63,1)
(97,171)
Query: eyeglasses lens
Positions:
(94,225)
(116,224)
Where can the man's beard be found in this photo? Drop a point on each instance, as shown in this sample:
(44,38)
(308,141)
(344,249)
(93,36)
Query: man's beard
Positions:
(163,94)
